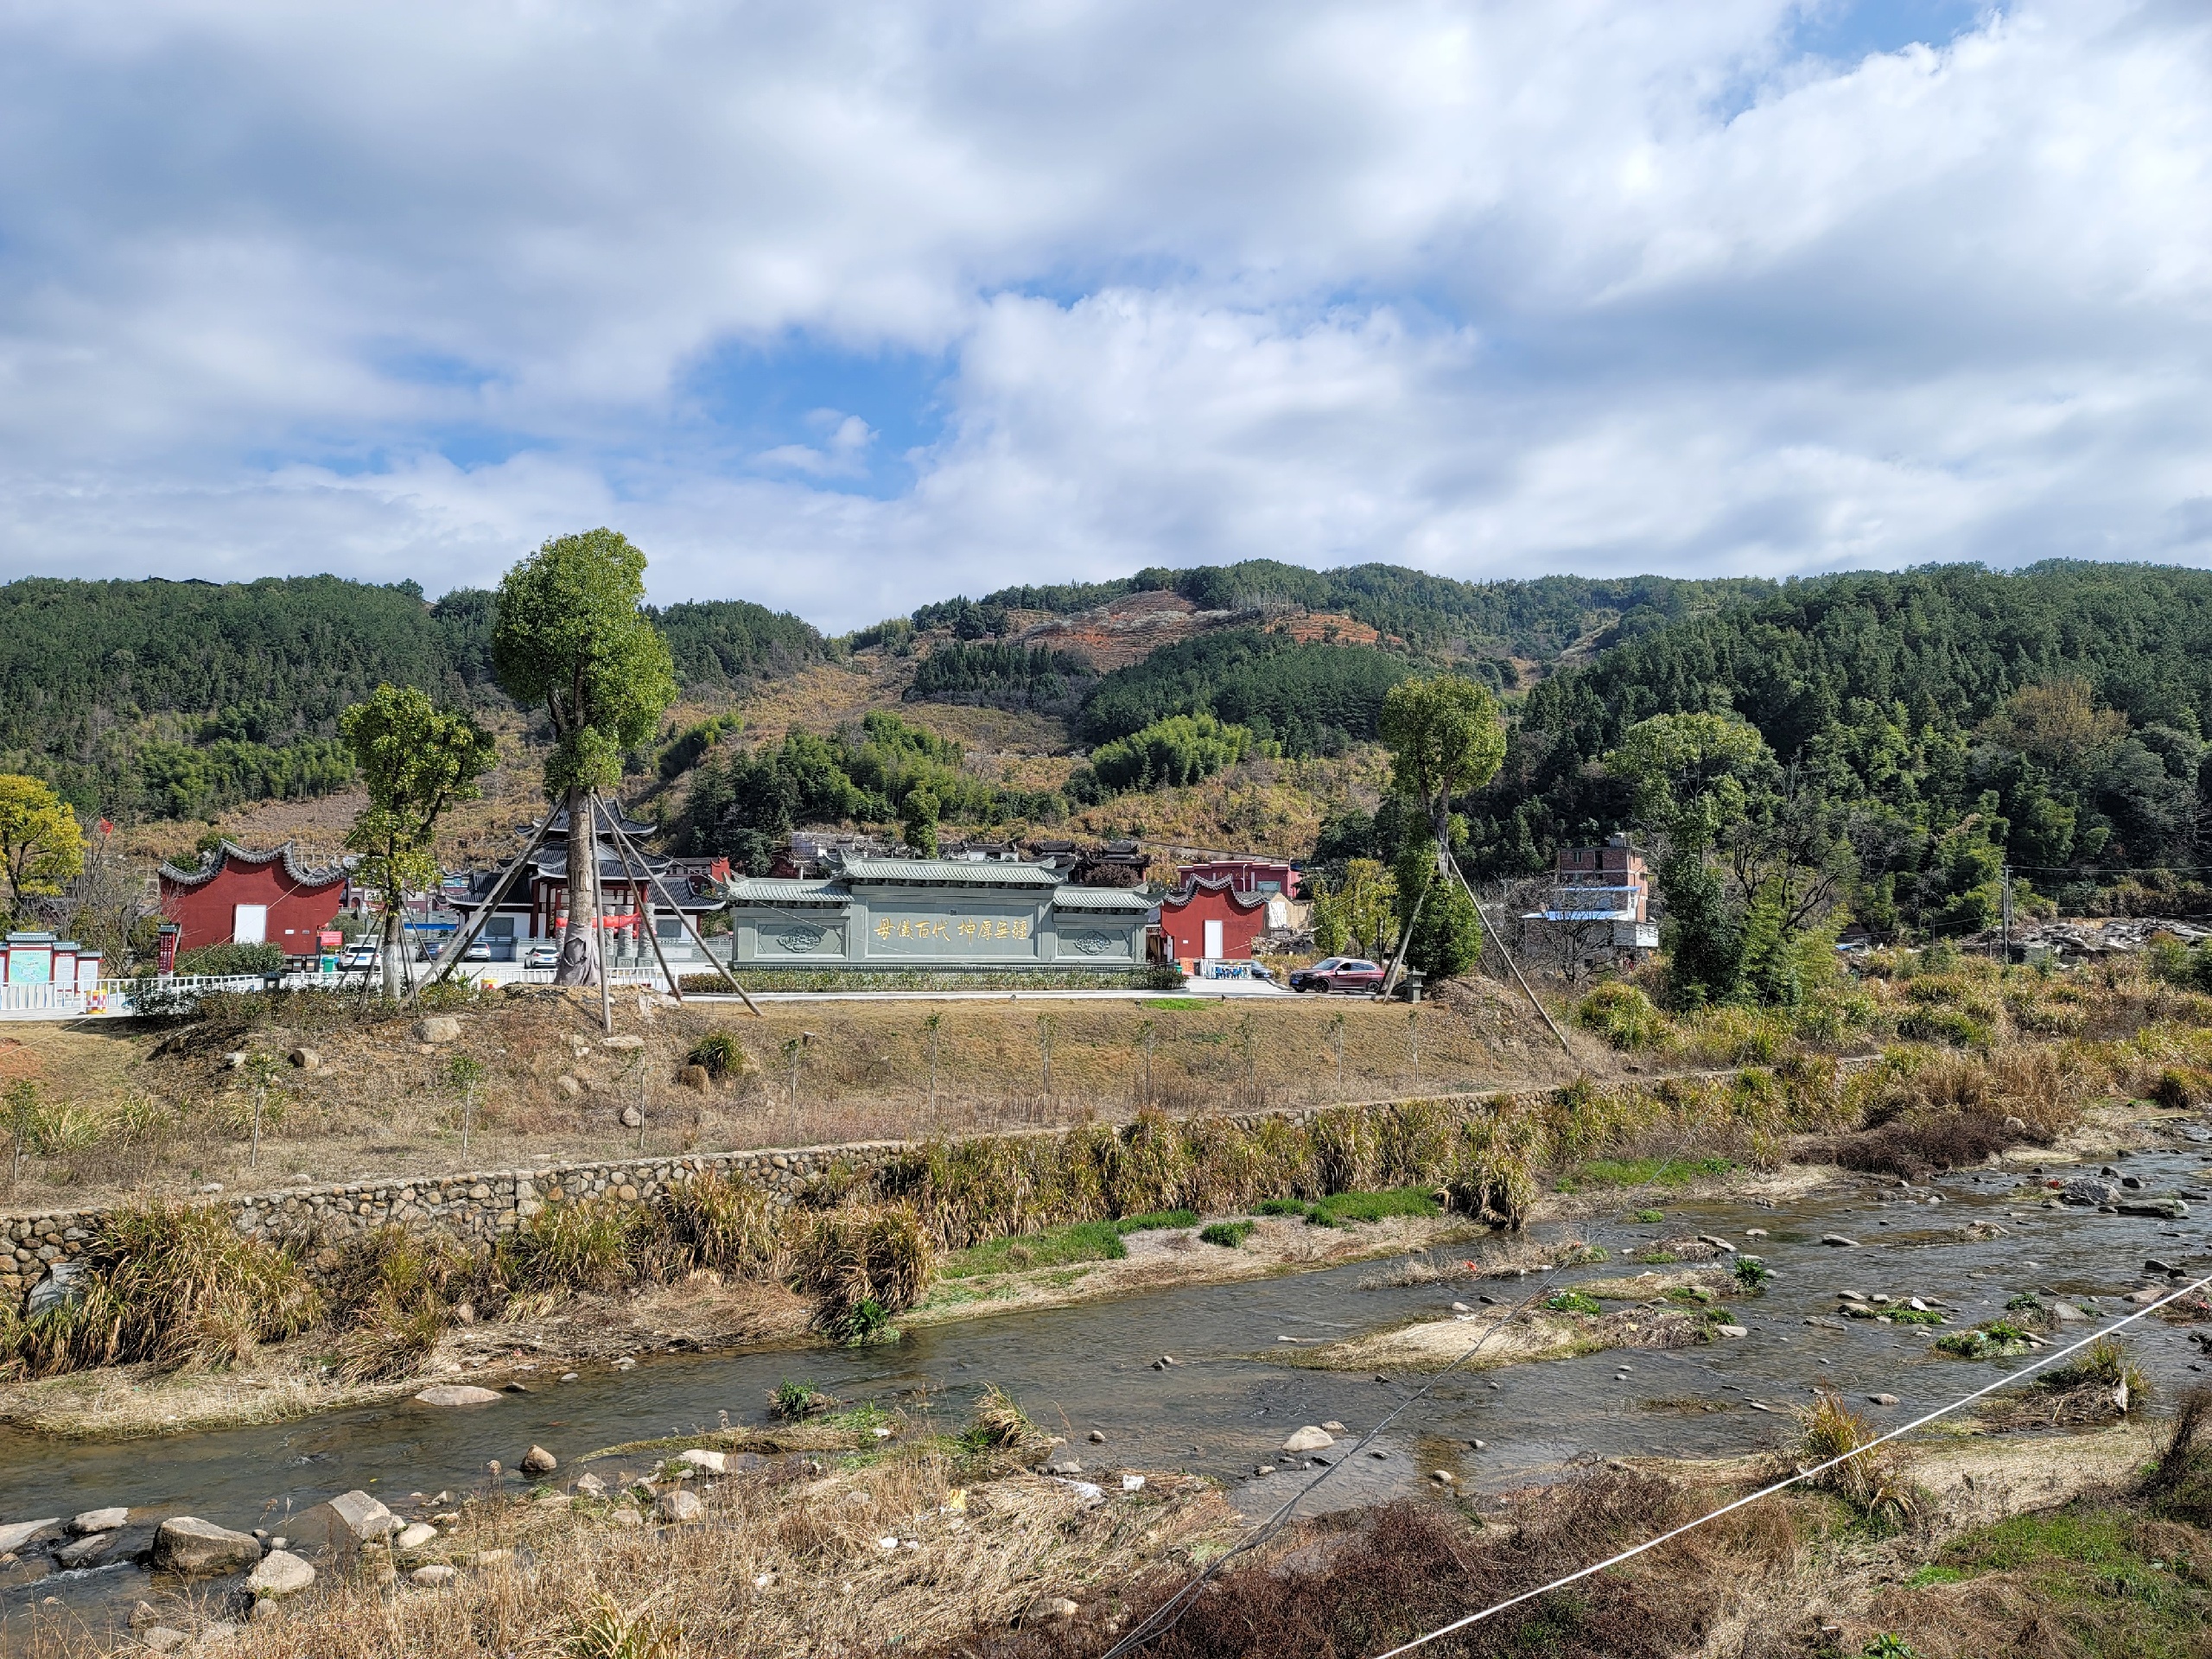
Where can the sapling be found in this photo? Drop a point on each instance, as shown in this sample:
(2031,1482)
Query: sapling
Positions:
(463,1073)
(262,1069)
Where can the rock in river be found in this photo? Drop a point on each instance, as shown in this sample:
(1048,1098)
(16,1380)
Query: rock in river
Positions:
(13,1538)
(100,1520)
(456,1393)
(538,1461)
(1310,1438)
(2162,1209)
(2089,1190)
(200,1548)
(1839,1241)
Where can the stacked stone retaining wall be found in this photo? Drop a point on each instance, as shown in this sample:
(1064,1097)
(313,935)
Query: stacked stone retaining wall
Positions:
(478,1208)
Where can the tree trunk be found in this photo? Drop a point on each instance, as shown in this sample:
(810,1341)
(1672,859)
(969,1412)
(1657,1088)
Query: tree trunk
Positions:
(579,963)
(394,944)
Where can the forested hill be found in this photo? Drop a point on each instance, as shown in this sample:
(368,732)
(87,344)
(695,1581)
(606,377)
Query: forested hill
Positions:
(172,698)
(1534,620)
(2055,711)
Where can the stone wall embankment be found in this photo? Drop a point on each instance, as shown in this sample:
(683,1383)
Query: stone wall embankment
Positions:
(476,1207)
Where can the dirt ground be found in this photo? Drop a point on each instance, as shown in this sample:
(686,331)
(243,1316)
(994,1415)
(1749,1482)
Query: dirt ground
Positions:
(138,1109)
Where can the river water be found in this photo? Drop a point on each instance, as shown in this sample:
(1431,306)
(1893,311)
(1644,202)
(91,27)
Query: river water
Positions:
(1227,1404)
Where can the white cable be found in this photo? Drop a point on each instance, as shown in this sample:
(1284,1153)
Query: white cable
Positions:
(1169,1612)
(1633,1550)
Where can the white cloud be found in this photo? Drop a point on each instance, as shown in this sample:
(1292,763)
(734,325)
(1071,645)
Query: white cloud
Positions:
(1490,287)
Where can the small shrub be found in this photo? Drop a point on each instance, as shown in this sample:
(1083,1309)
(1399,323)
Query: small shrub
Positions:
(998,1426)
(797,1402)
(1228,1234)
(1959,1028)
(1751,1272)
(1914,1316)
(1624,1017)
(2179,1485)
(1650,1217)
(220,961)
(720,1053)
(1281,1207)
(1571,1302)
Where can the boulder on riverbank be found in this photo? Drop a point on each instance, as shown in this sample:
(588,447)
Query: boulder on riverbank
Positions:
(341,1526)
(200,1549)
(280,1572)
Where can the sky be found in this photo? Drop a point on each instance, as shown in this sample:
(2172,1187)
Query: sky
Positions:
(844,308)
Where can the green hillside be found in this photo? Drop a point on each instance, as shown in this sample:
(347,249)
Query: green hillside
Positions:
(172,699)
(1944,719)
(1535,620)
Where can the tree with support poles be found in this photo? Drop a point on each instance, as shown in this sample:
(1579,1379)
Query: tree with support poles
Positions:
(571,635)
(417,760)
(1446,739)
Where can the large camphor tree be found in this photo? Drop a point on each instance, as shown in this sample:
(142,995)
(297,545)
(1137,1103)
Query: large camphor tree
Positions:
(1445,740)
(571,635)
(416,761)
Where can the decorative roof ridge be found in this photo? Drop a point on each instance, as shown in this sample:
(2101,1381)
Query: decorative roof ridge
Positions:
(212,864)
(1219,884)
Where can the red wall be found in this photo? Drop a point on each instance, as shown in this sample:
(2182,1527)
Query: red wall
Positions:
(1183,920)
(295,912)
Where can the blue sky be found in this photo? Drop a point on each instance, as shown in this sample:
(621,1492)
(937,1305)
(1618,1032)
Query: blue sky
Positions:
(844,309)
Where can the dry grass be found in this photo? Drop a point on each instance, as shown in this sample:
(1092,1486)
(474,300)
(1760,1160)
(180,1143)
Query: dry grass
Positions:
(1874,1482)
(1340,1592)
(167,1115)
(786,1565)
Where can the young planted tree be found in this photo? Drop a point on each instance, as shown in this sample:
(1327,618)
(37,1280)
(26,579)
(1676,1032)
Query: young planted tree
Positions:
(40,846)
(571,637)
(464,1075)
(417,761)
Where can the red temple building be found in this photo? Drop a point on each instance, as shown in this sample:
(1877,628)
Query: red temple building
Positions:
(237,897)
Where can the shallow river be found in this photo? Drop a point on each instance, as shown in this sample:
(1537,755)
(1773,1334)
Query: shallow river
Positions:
(1228,1403)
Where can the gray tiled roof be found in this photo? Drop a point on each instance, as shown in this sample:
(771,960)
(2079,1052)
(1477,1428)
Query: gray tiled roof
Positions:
(1114,899)
(941,872)
(785,890)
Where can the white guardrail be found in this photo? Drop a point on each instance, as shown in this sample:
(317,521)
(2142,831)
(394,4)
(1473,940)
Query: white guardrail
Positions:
(121,998)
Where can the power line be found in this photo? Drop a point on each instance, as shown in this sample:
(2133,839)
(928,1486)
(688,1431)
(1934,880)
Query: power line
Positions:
(1169,1612)
(1634,1550)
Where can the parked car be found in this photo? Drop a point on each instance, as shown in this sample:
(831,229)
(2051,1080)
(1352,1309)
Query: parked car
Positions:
(1338,974)
(478,950)
(359,959)
(546,956)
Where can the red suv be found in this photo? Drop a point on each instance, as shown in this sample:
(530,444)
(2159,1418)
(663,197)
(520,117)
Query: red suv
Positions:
(1338,974)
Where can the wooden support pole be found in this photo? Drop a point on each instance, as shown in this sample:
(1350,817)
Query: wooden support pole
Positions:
(464,937)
